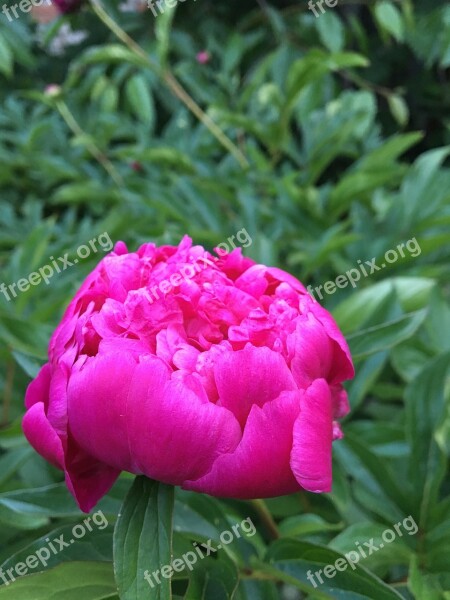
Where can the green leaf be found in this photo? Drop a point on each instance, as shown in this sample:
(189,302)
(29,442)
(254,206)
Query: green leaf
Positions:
(385,336)
(422,585)
(303,72)
(366,375)
(6,57)
(22,334)
(32,508)
(140,99)
(291,560)
(377,489)
(79,192)
(354,312)
(192,524)
(143,540)
(425,406)
(108,100)
(417,193)
(29,365)
(95,545)
(163,27)
(345,60)
(331,31)
(398,108)
(306,525)
(438,321)
(390,150)
(213,578)
(164,157)
(71,581)
(390,19)
(11,461)
(396,552)
(112,53)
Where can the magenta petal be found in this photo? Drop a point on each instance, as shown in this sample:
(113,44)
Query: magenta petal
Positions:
(177,433)
(135,417)
(342,367)
(341,404)
(313,436)
(38,390)
(97,402)
(311,350)
(259,467)
(42,436)
(251,376)
(87,479)
(285,277)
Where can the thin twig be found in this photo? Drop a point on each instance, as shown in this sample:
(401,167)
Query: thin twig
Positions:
(172,83)
(92,148)
(266,517)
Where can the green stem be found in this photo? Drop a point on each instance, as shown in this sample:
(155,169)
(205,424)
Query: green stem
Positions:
(73,125)
(266,517)
(258,575)
(172,83)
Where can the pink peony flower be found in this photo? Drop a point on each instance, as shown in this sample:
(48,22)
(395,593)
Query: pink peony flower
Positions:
(215,374)
(68,6)
(203,57)
(53,90)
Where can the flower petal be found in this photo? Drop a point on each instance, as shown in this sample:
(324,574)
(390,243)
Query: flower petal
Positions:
(38,390)
(313,436)
(252,376)
(177,433)
(87,479)
(42,436)
(141,420)
(342,368)
(259,467)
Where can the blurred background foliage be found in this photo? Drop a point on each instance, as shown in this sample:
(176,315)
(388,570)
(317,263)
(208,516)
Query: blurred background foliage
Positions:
(342,129)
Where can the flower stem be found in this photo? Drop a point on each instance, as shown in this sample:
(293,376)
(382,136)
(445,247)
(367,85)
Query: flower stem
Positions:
(73,125)
(266,517)
(172,83)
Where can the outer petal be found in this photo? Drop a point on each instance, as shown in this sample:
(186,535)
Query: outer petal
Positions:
(252,376)
(341,405)
(259,467)
(42,436)
(142,421)
(313,436)
(96,397)
(342,364)
(311,350)
(38,390)
(177,433)
(318,349)
(87,478)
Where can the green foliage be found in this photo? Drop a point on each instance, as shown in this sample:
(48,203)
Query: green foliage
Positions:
(343,120)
